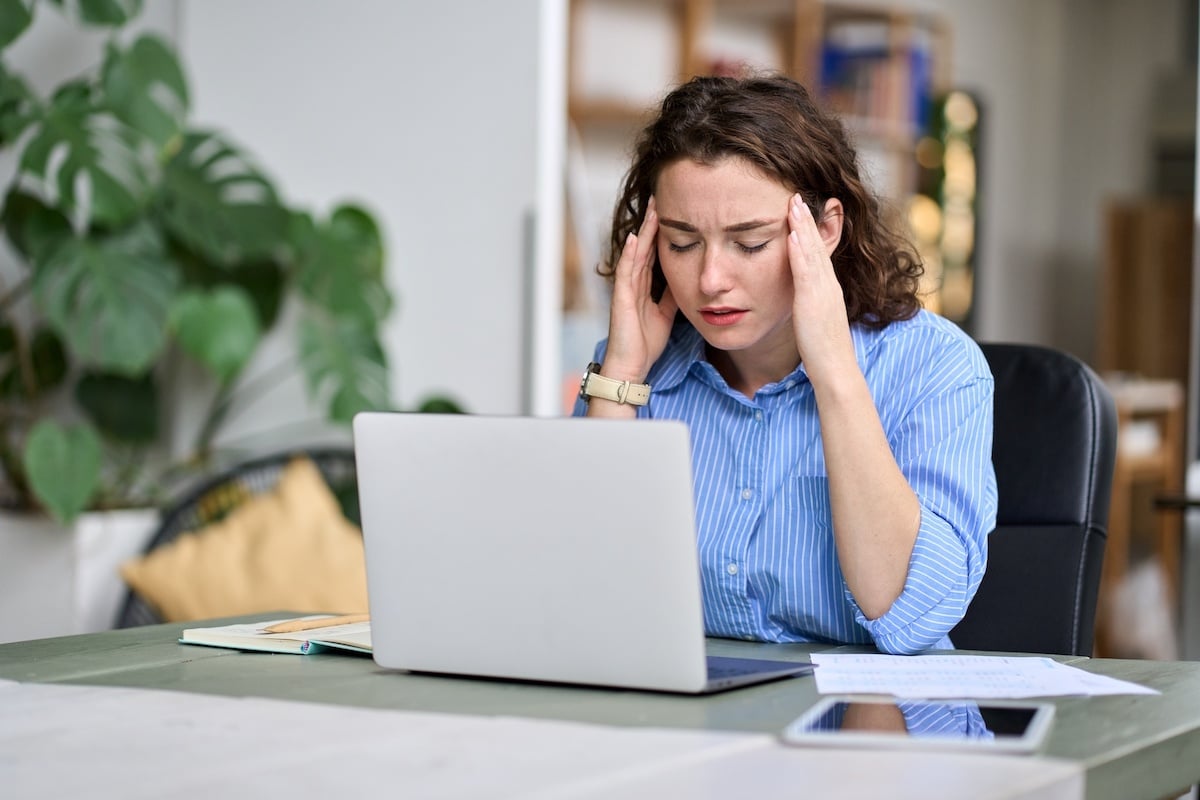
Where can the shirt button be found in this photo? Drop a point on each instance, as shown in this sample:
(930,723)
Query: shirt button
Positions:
(731,568)
(747,494)
(758,415)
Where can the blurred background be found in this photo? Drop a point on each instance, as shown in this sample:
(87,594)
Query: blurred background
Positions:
(1041,151)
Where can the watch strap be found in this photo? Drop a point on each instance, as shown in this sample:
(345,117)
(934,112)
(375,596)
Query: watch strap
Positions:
(624,392)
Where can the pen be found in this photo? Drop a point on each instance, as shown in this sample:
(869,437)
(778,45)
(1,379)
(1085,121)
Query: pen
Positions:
(293,625)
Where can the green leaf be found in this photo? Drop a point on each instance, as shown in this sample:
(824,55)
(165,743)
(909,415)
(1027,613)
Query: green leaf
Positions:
(10,367)
(63,467)
(220,328)
(219,205)
(344,363)
(111,13)
(87,162)
(123,408)
(15,16)
(47,363)
(439,405)
(264,281)
(341,265)
(34,229)
(49,359)
(109,298)
(145,87)
(18,105)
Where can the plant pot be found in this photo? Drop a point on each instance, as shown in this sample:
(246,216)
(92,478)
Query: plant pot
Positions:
(57,580)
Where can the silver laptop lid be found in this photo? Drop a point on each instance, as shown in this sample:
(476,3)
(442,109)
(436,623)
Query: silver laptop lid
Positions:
(532,548)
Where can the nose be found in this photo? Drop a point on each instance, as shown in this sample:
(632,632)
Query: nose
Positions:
(714,276)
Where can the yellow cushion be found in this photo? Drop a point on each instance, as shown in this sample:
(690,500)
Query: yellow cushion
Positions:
(290,548)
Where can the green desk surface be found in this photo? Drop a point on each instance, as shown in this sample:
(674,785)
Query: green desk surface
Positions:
(1129,746)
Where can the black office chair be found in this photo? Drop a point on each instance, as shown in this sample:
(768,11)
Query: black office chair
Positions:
(219,495)
(1054,449)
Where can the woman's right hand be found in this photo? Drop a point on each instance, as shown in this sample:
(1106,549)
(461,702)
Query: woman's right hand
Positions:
(638,327)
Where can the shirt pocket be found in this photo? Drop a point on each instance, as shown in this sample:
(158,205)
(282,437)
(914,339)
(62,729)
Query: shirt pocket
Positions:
(808,496)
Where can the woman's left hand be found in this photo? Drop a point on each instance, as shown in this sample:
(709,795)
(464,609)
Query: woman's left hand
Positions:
(819,306)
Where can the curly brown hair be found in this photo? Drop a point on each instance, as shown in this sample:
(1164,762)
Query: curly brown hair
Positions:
(773,123)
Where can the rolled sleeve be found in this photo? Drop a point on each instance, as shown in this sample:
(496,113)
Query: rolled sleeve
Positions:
(935,594)
(944,450)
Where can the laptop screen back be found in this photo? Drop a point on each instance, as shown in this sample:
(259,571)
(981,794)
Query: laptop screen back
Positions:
(532,548)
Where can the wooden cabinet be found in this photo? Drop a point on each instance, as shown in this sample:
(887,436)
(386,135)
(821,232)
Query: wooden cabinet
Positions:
(1149,464)
(1142,348)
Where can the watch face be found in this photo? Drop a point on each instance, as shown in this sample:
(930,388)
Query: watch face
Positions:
(591,370)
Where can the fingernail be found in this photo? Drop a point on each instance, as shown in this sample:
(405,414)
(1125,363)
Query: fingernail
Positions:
(795,237)
(629,239)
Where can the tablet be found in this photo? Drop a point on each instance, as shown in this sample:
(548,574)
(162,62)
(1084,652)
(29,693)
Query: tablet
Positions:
(990,726)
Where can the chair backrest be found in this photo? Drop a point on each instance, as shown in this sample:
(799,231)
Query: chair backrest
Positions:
(1054,450)
(217,496)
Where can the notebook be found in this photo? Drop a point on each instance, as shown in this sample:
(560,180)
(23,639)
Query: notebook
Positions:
(541,549)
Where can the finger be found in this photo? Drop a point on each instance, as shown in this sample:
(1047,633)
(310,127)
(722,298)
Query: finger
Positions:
(805,249)
(625,260)
(647,238)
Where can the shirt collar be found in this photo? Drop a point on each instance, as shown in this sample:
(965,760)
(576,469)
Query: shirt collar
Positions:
(685,347)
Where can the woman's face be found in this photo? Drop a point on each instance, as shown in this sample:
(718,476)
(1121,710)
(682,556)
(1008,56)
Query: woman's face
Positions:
(722,244)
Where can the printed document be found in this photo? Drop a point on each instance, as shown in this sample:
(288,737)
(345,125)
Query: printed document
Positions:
(960,677)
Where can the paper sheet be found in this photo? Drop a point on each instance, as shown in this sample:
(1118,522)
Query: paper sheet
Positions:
(960,676)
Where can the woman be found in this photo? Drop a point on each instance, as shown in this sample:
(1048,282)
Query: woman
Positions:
(841,435)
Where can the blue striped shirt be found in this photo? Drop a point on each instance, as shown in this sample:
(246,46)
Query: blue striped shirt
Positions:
(768,562)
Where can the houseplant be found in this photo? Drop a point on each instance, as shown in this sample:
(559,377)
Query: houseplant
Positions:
(141,241)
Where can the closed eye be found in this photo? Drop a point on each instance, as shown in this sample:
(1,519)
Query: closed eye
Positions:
(680,248)
(753,248)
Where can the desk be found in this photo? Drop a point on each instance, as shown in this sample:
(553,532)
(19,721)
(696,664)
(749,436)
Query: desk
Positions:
(1104,747)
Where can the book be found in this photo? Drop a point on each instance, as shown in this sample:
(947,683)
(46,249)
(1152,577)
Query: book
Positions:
(314,637)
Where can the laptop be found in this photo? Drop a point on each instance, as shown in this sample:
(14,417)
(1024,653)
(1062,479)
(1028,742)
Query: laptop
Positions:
(556,550)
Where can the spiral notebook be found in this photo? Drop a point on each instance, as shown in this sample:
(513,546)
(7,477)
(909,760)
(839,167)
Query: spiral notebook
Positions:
(540,549)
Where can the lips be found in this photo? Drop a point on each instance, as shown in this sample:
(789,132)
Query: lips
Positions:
(721,317)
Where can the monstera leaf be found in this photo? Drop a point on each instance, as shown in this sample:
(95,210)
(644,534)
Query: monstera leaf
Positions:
(15,16)
(123,408)
(343,361)
(102,12)
(340,264)
(145,88)
(216,203)
(220,328)
(18,106)
(34,229)
(87,162)
(109,298)
(63,466)
(45,362)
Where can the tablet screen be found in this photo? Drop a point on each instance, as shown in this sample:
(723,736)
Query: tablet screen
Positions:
(1014,727)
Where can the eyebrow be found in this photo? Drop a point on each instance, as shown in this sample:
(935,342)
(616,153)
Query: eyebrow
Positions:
(739,227)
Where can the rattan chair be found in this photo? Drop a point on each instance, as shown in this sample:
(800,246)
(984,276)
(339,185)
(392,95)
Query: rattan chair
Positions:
(217,496)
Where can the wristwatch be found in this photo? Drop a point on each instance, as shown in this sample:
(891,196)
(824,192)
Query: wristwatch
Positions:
(596,385)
